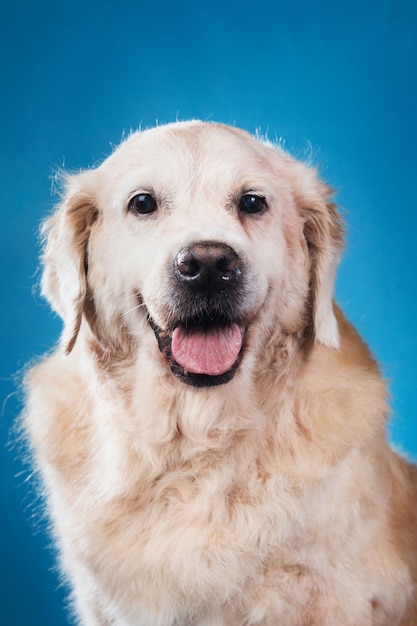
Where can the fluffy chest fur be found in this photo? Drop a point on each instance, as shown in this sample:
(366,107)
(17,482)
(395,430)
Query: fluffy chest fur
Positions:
(202,502)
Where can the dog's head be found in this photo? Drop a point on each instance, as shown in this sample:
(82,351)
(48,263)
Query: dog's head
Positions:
(203,236)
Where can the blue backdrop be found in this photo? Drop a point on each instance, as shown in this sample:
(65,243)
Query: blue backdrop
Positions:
(335,80)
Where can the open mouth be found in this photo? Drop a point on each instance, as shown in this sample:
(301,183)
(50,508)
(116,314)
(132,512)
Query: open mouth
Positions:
(202,354)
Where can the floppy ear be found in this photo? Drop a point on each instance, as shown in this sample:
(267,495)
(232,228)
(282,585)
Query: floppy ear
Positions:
(66,234)
(323,232)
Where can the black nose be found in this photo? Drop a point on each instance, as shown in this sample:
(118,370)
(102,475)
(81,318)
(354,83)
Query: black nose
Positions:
(207,266)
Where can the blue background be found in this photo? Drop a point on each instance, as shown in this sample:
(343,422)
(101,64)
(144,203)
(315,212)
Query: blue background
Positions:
(336,80)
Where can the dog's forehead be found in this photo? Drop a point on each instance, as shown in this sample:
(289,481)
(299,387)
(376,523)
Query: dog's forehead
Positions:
(191,149)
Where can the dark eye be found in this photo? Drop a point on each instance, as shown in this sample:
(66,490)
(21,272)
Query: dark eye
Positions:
(251,203)
(143,203)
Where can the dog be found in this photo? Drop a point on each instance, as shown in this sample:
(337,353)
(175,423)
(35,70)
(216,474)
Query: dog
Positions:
(211,431)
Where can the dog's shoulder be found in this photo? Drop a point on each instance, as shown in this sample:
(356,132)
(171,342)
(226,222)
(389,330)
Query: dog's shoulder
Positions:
(57,404)
(341,397)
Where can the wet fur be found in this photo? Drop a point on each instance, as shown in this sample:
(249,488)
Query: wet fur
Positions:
(273,499)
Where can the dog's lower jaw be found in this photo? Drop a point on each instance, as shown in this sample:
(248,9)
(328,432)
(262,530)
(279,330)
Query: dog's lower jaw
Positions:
(203,380)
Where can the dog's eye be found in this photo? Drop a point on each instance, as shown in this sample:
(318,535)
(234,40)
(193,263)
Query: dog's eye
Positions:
(143,203)
(251,203)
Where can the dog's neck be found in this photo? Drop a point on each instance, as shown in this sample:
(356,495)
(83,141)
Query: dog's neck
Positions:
(200,415)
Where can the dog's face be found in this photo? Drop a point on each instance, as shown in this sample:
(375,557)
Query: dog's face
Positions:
(201,235)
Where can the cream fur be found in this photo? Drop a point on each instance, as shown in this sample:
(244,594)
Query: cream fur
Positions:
(273,499)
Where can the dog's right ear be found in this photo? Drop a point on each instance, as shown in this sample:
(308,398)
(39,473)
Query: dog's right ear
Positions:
(65,256)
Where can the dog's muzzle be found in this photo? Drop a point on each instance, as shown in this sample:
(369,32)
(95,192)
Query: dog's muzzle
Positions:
(204,335)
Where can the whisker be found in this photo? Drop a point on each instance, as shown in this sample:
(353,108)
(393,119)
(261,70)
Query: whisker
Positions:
(138,306)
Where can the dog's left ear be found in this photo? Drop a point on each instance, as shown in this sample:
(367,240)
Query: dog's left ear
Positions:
(66,235)
(323,232)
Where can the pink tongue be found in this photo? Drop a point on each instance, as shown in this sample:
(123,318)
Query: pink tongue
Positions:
(211,352)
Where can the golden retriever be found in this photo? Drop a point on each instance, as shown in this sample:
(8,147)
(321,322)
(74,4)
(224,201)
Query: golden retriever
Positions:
(211,431)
